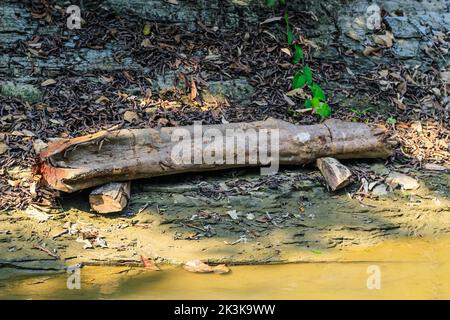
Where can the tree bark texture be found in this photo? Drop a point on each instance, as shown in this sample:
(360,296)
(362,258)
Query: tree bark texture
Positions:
(107,156)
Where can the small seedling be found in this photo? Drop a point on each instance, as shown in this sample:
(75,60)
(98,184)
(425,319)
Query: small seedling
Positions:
(391,121)
(298,56)
(305,77)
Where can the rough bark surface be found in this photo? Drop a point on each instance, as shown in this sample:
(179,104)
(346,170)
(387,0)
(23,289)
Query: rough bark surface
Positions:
(87,161)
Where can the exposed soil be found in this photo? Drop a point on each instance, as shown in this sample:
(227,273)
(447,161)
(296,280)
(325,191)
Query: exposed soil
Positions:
(57,82)
(233,217)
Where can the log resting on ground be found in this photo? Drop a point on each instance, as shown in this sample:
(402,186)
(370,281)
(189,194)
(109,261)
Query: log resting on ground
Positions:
(122,155)
(111,197)
(335,173)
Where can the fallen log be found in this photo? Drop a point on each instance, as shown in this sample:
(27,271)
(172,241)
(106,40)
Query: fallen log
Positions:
(335,173)
(111,197)
(122,155)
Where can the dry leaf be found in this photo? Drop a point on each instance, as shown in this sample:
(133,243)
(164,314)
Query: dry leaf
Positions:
(296,93)
(146,43)
(402,87)
(38,145)
(27,133)
(193,94)
(130,116)
(149,264)
(271,20)
(399,103)
(48,82)
(102,100)
(371,50)
(386,40)
(288,100)
(353,35)
(3,147)
(286,51)
(33,190)
(383,73)
(14,183)
(197,266)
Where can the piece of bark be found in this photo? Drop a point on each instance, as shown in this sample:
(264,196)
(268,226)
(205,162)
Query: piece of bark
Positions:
(111,197)
(122,155)
(335,173)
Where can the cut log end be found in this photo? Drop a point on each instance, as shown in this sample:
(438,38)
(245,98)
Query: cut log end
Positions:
(335,173)
(111,197)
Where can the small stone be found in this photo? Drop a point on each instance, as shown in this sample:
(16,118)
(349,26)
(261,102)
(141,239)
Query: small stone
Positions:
(445,76)
(250,216)
(434,167)
(417,126)
(197,266)
(39,145)
(130,116)
(380,190)
(221,269)
(3,147)
(233,214)
(379,169)
(404,181)
(401,27)
(405,49)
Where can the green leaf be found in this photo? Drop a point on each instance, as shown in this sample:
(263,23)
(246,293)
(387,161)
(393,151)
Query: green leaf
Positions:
(290,37)
(286,19)
(315,103)
(318,92)
(323,110)
(270,3)
(298,81)
(283,2)
(308,74)
(308,104)
(298,54)
(392,121)
(290,34)
(146,30)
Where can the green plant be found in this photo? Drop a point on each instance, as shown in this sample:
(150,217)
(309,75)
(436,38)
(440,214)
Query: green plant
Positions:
(271,3)
(318,100)
(391,120)
(289,32)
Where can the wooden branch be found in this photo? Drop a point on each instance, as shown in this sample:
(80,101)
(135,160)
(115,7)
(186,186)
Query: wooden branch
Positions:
(335,173)
(122,155)
(111,197)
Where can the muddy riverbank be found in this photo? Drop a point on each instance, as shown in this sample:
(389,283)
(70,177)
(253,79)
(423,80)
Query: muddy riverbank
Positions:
(408,269)
(231,217)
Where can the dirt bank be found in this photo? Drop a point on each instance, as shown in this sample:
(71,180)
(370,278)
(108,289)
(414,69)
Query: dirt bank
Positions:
(233,217)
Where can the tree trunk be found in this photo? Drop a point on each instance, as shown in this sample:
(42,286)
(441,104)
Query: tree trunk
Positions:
(122,155)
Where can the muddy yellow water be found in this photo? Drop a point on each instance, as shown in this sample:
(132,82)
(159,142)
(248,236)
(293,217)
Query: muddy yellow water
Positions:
(406,269)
